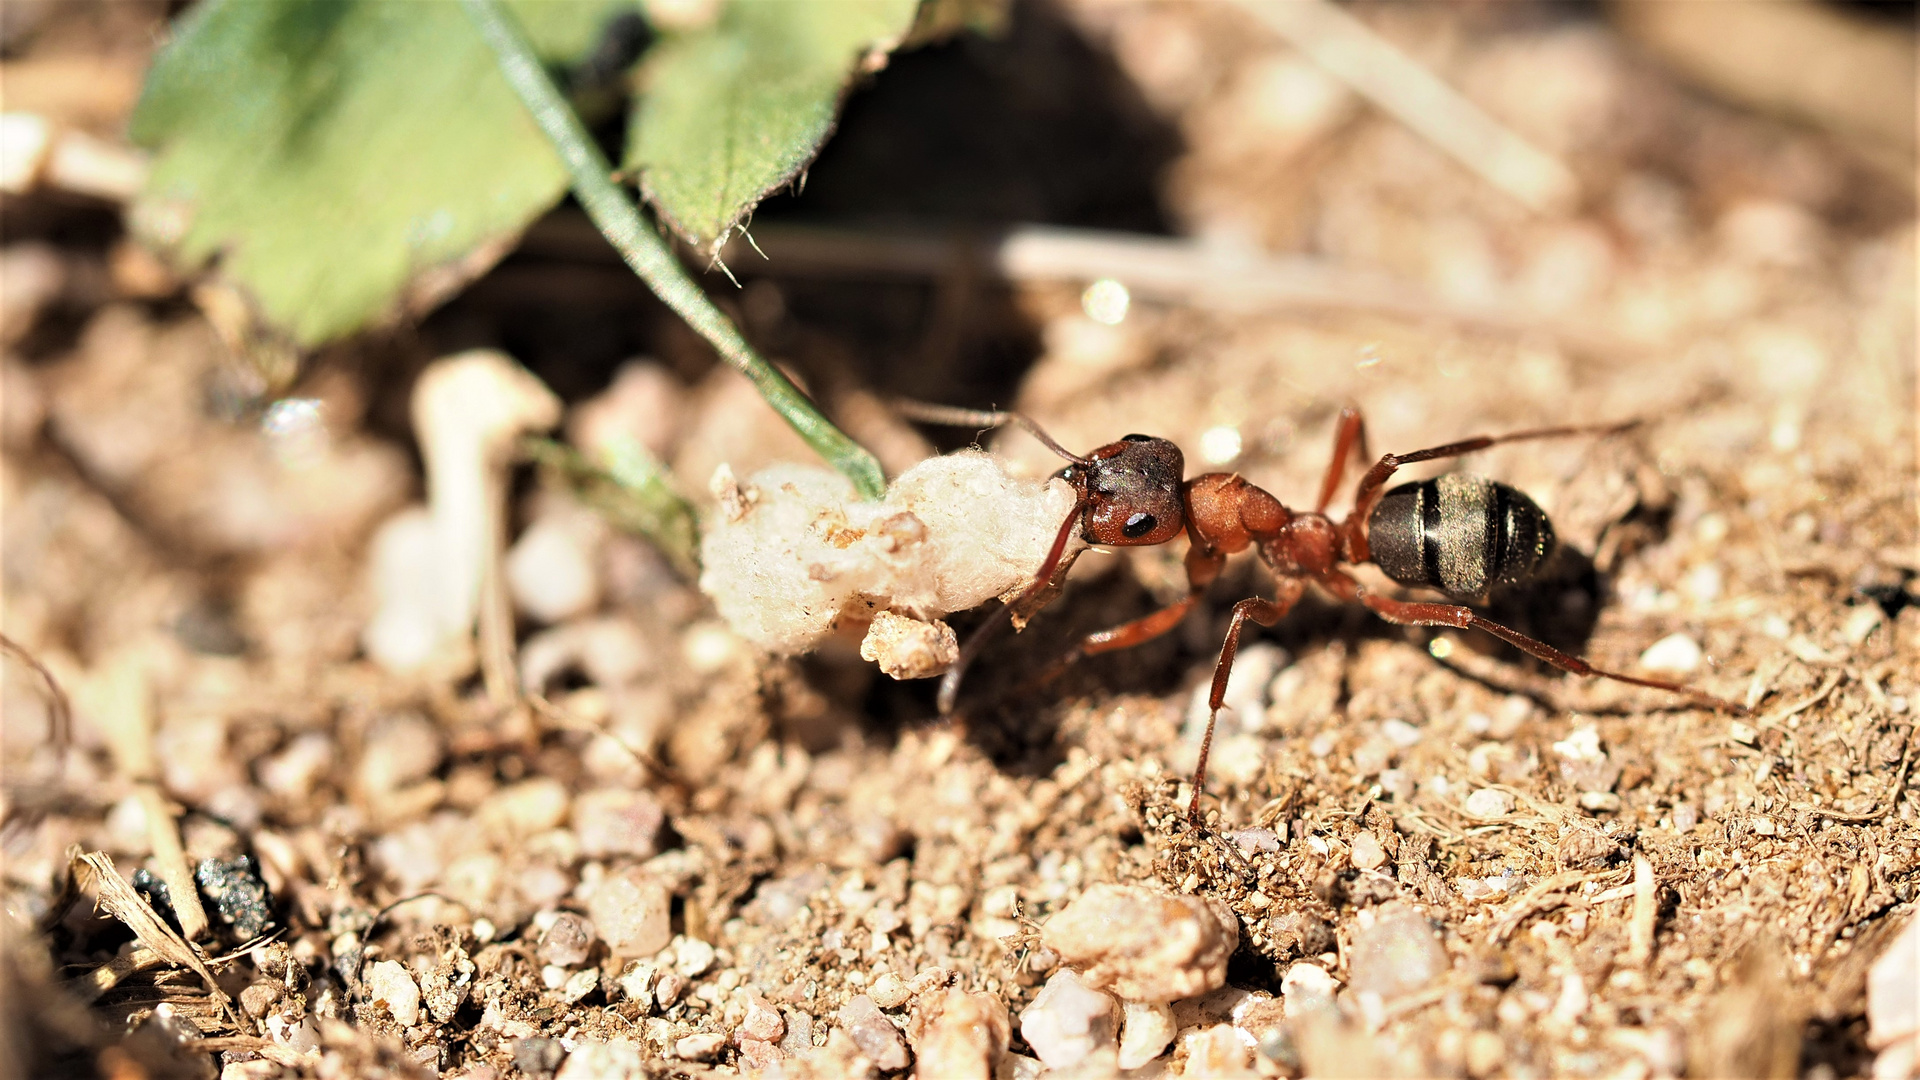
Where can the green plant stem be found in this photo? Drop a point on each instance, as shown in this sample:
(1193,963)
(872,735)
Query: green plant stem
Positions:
(620,222)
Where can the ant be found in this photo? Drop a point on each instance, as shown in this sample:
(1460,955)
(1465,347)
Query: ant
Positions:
(1459,535)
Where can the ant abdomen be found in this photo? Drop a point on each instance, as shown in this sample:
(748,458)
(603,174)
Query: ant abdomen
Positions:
(1460,534)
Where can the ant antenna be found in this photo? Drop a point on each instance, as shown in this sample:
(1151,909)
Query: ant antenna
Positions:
(950,416)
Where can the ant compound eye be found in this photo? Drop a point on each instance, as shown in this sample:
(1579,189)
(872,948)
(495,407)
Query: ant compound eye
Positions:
(1137,438)
(1138,526)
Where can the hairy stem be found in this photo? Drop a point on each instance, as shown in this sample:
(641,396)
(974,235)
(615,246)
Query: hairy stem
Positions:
(620,222)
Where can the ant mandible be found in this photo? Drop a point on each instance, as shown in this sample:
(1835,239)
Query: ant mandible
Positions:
(1459,535)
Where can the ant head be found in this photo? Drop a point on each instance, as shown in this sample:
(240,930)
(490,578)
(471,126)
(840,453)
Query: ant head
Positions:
(1130,492)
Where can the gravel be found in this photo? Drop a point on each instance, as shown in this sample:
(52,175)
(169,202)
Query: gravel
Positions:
(1069,1021)
(1368,854)
(389,984)
(617,822)
(400,749)
(633,914)
(1145,1030)
(523,809)
(1396,953)
(1143,944)
(567,942)
(959,1035)
(874,1034)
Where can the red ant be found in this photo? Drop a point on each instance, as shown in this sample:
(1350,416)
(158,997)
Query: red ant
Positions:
(1459,535)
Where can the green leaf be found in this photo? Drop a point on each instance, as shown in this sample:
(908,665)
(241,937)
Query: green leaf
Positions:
(735,111)
(346,160)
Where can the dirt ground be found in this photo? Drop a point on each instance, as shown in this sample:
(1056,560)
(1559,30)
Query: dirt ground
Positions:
(1616,883)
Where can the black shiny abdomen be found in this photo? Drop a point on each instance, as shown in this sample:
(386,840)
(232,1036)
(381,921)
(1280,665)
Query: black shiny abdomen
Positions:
(1459,534)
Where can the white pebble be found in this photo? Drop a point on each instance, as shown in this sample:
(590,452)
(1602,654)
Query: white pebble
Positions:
(1675,652)
(402,567)
(1893,989)
(703,1046)
(526,808)
(400,748)
(618,1060)
(633,914)
(551,572)
(1307,988)
(617,821)
(693,957)
(1489,803)
(1400,733)
(1068,1021)
(889,991)
(293,772)
(1398,954)
(389,984)
(1146,1028)
(1368,854)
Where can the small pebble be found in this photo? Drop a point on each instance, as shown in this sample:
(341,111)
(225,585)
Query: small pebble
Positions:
(668,989)
(1307,988)
(1485,1052)
(523,809)
(633,914)
(579,985)
(703,1046)
(1368,854)
(959,1036)
(617,821)
(1143,944)
(550,571)
(1397,955)
(692,958)
(1146,1028)
(618,1060)
(1252,840)
(567,941)
(1489,803)
(762,1021)
(1218,1053)
(1068,1021)
(1894,988)
(889,991)
(1675,652)
(293,772)
(1400,733)
(636,982)
(400,749)
(388,983)
(874,1034)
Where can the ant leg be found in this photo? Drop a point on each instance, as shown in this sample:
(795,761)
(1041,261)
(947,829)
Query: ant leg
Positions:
(1429,614)
(1351,429)
(951,416)
(1266,613)
(1376,477)
(1202,567)
(1042,578)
